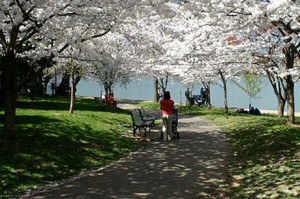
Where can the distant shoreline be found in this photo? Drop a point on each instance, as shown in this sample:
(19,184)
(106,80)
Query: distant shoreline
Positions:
(143,90)
(132,101)
(274,112)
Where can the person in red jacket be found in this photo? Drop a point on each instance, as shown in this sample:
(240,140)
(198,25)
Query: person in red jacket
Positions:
(167,106)
(111,101)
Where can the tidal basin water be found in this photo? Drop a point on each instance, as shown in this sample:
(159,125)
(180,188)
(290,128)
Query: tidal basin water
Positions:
(143,90)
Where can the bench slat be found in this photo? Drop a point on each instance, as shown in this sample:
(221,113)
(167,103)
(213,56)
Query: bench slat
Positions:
(145,117)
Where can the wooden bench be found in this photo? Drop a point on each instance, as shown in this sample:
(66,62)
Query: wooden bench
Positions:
(138,123)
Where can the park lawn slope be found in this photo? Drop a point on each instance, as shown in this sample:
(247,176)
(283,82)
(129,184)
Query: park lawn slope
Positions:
(52,144)
(266,154)
(265,159)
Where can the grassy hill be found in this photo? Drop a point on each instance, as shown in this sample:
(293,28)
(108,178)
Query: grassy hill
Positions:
(52,144)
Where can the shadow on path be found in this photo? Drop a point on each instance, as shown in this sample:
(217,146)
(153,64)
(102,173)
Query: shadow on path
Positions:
(186,168)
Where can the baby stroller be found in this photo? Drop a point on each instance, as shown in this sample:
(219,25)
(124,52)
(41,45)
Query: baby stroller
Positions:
(199,100)
(175,124)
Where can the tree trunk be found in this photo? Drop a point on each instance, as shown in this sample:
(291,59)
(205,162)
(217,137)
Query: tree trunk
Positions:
(155,85)
(290,99)
(2,94)
(280,92)
(72,93)
(225,97)
(280,110)
(225,91)
(106,88)
(207,88)
(72,99)
(75,78)
(10,91)
(289,52)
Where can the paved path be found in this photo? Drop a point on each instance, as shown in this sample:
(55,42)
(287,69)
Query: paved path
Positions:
(184,168)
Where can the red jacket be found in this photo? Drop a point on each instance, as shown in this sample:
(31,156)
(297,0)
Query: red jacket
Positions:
(167,106)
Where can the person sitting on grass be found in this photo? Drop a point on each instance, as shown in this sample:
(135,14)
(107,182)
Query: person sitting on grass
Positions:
(111,101)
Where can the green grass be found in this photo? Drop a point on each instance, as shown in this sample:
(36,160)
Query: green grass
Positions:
(52,144)
(148,105)
(265,159)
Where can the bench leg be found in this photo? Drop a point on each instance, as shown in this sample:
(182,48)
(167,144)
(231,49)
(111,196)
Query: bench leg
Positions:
(145,132)
(134,130)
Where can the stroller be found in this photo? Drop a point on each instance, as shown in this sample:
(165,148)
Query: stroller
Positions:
(174,126)
(199,100)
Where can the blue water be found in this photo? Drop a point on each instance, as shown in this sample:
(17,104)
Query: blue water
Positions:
(143,90)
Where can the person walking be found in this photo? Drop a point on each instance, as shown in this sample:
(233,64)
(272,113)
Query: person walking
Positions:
(167,106)
(203,95)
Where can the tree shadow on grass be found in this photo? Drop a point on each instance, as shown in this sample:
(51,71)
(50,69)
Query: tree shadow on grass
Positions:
(48,150)
(267,157)
(268,164)
(63,104)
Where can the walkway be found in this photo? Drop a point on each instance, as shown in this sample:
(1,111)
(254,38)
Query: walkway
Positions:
(184,168)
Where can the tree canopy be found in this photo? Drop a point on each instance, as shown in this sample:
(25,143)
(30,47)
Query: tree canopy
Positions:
(190,39)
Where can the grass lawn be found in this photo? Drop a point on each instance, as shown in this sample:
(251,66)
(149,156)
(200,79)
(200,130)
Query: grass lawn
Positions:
(52,144)
(265,159)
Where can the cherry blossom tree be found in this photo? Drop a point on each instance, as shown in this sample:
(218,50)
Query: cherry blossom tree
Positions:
(221,36)
(153,35)
(215,39)
(48,27)
(206,54)
(109,61)
(108,71)
(278,30)
(244,27)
